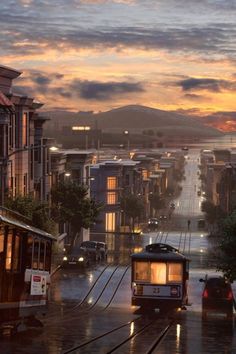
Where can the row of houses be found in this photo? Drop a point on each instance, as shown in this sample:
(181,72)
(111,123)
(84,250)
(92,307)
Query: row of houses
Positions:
(109,180)
(31,164)
(218,174)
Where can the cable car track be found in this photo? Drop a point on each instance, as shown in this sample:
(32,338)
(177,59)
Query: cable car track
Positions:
(139,333)
(88,309)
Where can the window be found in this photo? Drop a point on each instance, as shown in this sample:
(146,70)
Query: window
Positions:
(16,253)
(110,221)
(175,272)
(1,240)
(141,271)
(111,182)
(25,184)
(111,197)
(41,255)
(36,255)
(24,129)
(48,256)
(145,174)
(158,273)
(9,250)
(11,129)
(29,252)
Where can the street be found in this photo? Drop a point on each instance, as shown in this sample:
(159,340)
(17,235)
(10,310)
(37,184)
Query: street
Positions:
(85,304)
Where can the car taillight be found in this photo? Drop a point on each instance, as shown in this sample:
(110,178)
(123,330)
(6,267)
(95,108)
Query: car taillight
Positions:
(230,295)
(205,293)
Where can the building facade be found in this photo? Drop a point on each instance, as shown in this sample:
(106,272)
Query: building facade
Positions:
(24,153)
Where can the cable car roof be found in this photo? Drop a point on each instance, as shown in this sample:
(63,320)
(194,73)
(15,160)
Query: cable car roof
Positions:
(159,251)
(26,227)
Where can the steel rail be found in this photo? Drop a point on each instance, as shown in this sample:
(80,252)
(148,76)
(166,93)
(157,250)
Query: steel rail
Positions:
(101,336)
(117,287)
(135,334)
(157,341)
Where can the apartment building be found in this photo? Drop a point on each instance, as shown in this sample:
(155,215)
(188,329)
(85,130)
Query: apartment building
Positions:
(24,153)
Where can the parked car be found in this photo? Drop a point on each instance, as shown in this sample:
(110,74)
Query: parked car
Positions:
(93,250)
(153,224)
(217,296)
(162,217)
(102,246)
(76,258)
(201,224)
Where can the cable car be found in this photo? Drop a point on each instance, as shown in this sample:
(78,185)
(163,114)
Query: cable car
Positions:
(159,278)
(25,264)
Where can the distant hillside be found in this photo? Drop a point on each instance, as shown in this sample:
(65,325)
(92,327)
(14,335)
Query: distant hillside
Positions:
(136,119)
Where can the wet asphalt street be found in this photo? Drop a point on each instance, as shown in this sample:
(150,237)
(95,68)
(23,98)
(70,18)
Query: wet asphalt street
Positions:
(87,303)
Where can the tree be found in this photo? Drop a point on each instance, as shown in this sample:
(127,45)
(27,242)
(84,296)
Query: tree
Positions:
(133,207)
(214,213)
(156,202)
(34,210)
(226,255)
(71,204)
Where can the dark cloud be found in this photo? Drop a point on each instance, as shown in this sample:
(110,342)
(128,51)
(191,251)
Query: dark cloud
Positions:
(208,84)
(191,96)
(41,80)
(25,34)
(88,90)
(94,90)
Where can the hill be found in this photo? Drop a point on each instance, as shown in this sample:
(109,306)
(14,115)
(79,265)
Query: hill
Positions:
(136,119)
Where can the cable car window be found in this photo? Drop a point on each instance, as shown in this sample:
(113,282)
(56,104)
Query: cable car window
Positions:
(1,248)
(1,240)
(36,255)
(175,272)
(158,273)
(48,256)
(9,250)
(41,255)
(29,252)
(16,254)
(141,271)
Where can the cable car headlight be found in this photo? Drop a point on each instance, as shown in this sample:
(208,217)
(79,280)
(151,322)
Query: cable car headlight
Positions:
(81,259)
(65,258)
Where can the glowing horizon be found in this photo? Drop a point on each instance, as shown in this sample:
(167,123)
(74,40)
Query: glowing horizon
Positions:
(96,55)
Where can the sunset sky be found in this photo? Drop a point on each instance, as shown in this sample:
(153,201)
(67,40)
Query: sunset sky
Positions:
(102,54)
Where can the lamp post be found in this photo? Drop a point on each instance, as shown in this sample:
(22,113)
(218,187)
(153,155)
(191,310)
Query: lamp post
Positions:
(126,133)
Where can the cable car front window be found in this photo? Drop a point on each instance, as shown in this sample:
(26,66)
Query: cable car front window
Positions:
(141,272)
(158,273)
(175,273)
(9,250)
(16,257)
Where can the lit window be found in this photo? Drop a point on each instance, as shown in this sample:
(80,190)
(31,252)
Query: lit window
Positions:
(41,255)
(16,257)
(1,241)
(9,251)
(111,182)
(29,252)
(175,272)
(158,273)
(110,221)
(24,129)
(145,174)
(36,255)
(141,271)
(111,198)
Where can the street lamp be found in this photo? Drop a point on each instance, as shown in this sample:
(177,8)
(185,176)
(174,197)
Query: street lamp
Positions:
(126,132)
